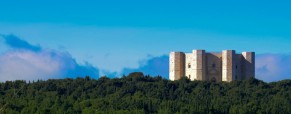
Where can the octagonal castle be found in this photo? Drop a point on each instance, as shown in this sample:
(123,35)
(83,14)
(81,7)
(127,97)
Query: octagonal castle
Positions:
(211,66)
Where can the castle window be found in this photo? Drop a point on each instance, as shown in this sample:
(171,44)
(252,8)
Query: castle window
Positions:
(235,66)
(189,65)
(213,79)
(213,65)
(189,76)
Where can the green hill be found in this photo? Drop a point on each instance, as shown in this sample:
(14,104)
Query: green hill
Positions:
(137,93)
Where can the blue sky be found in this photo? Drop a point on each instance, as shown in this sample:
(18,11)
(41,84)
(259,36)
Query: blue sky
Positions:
(116,37)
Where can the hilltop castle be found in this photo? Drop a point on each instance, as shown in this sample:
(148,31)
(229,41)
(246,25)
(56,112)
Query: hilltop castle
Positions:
(199,65)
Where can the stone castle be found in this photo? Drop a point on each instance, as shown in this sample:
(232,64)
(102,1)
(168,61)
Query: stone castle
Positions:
(199,65)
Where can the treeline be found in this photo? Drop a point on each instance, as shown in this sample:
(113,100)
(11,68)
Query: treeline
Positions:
(137,93)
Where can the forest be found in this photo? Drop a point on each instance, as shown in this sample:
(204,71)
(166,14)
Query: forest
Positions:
(139,93)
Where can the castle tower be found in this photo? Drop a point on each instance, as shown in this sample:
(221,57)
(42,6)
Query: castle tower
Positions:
(177,65)
(228,65)
(199,64)
(248,64)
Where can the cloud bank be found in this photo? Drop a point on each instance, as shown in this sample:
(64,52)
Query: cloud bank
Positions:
(31,62)
(273,67)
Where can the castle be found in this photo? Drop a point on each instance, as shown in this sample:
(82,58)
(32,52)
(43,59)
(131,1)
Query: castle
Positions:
(199,65)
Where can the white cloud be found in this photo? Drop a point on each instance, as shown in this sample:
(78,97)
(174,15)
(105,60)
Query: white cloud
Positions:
(28,65)
(23,62)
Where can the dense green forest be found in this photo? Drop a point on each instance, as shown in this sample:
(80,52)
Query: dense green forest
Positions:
(137,93)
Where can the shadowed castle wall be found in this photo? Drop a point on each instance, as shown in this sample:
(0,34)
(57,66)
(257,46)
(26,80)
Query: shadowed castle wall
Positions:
(214,66)
(248,64)
(238,67)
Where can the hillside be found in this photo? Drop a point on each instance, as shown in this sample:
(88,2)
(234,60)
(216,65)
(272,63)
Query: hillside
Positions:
(137,93)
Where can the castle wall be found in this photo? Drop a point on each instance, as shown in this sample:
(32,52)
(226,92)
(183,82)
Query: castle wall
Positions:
(214,67)
(189,66)
(177,65)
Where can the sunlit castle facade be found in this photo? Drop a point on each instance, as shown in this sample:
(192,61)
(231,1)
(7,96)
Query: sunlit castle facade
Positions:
(211,66)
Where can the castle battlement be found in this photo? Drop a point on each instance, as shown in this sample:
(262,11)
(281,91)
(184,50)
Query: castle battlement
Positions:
(212,66)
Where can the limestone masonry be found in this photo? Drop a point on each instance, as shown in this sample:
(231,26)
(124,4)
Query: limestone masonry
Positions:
(199,65)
